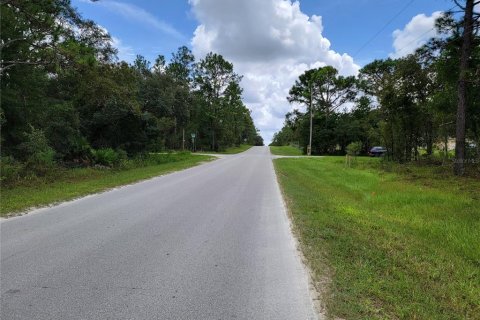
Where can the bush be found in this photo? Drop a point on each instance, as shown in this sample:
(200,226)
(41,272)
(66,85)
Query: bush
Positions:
(471,152)
(81,151)
(109,157)
(10,170)
(153,159)
(354,148)
(36,152)
(105,157)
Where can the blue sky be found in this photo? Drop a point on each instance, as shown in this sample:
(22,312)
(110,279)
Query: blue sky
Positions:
(237,28)
(349,24)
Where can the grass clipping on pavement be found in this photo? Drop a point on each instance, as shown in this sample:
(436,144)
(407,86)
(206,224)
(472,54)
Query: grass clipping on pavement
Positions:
(395,246)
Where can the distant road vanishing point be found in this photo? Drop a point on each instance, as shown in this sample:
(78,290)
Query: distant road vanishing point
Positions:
(209,242)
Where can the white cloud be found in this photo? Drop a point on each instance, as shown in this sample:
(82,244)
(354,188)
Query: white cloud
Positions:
(125,53)
(415,34)
(270,42)
(137,14)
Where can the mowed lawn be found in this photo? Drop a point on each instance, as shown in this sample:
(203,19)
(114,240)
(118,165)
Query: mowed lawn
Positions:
(286,151)
(384,245)
(232,150)
(73,183)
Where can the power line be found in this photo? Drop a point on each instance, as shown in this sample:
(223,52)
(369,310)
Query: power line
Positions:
(384,27)
(415,40)
(423,34)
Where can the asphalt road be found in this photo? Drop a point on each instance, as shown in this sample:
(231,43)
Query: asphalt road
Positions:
(210,242)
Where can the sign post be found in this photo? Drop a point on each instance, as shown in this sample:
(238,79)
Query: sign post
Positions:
(193,142)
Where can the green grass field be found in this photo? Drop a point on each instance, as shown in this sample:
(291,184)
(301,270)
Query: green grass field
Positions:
(74,183)
(233,150)
(387,245)
(286,151)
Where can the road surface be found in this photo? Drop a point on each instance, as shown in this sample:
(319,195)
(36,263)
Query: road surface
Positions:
(210,242)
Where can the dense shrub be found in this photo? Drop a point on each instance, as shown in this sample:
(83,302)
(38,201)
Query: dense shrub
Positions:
(354,148)
(109,157)
(151,159)
(10,170)
(36,153)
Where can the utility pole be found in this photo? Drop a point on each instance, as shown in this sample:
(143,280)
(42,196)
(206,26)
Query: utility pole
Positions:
(309,148)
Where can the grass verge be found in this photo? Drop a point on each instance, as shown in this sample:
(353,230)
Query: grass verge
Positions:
(394,245)
(233,150)
(286,151)
(74,183)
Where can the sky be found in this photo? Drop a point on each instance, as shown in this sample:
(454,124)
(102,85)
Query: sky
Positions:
(270,42)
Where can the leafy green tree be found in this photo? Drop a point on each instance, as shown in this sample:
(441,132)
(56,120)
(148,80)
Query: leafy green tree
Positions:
(47,33)
(180,70)
(462,88)
(402,88)
(36,152)
(180,67)
(322,90)
(456,59)
(160,65)
(213,75)
(64,92)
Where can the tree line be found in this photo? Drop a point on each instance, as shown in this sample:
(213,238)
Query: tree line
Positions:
(412,105)
(65,95)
